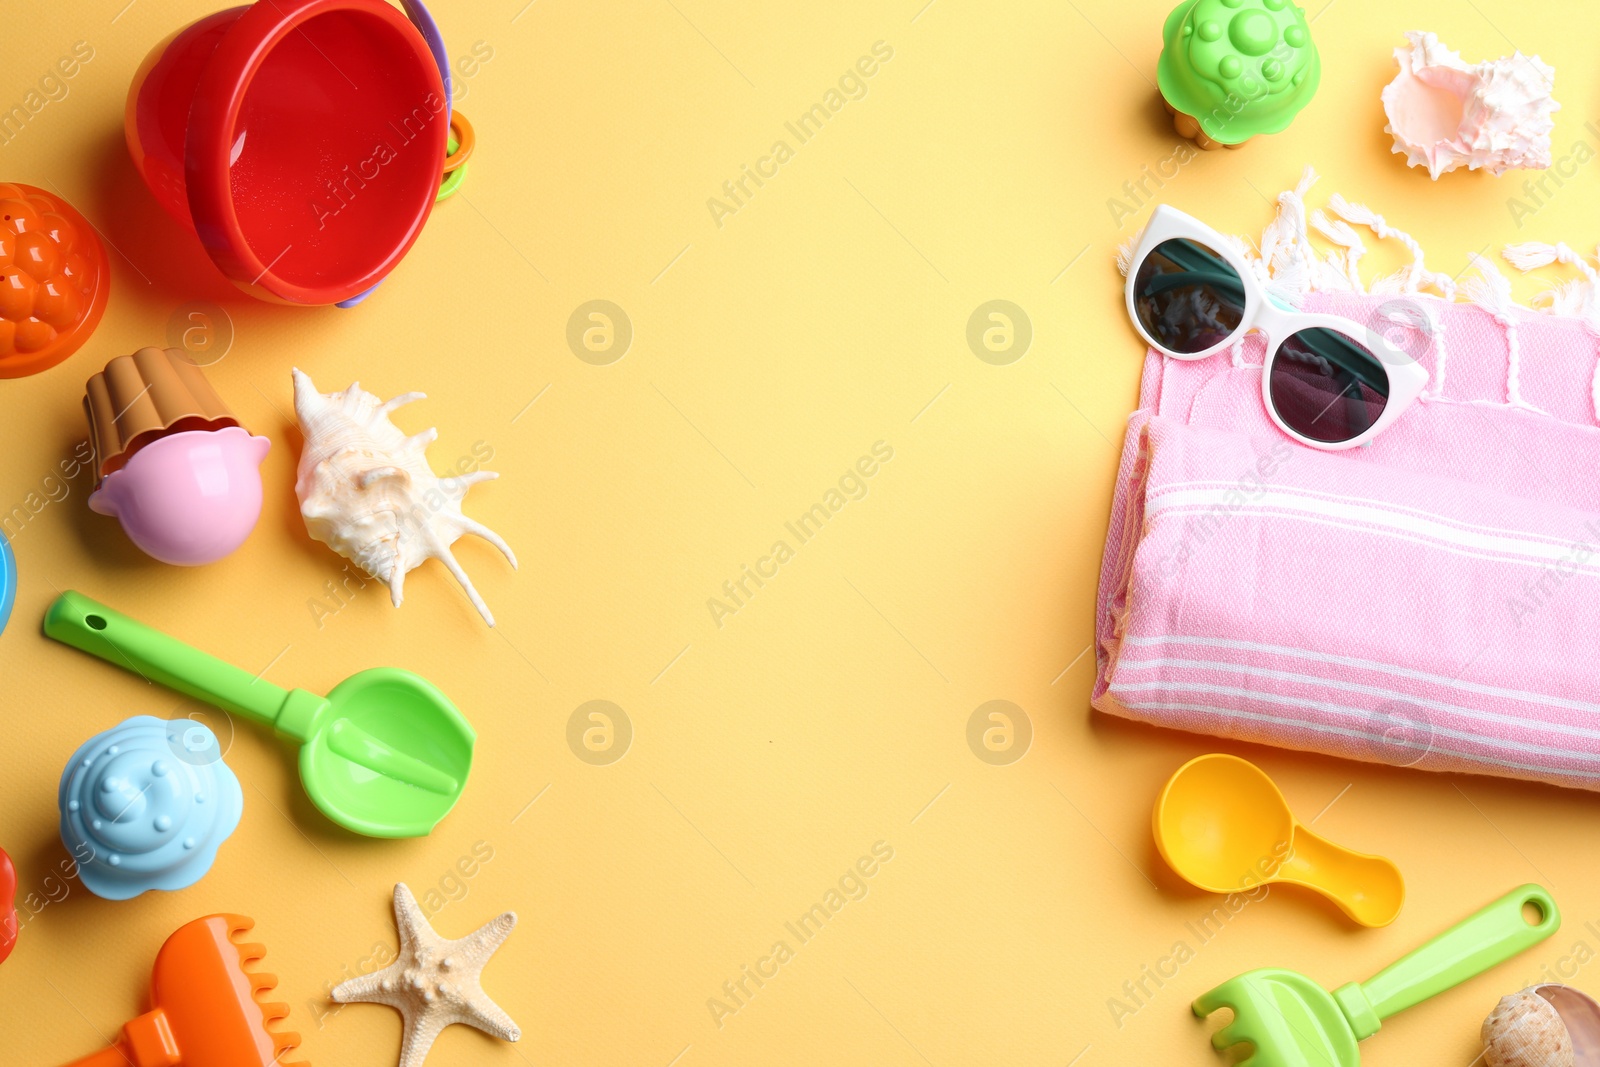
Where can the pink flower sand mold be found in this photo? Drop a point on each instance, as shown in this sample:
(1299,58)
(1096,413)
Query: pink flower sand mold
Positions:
(177,469)
(188,499)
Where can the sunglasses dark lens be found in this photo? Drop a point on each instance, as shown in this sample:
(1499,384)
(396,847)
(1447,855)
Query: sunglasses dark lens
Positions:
(1187,297)
(1327,386)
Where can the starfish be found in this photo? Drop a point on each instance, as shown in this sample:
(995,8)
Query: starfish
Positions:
(434,981)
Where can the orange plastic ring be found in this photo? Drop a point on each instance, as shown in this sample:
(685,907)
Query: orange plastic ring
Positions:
(465,141)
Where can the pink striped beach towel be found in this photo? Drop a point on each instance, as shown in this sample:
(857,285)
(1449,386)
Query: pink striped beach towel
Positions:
(1431,600)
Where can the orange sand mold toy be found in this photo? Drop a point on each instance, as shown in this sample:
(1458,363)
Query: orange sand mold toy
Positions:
(54,279)
(205,1007)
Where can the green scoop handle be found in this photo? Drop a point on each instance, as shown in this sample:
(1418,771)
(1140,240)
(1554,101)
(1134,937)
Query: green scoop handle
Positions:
(1466,950)
(89,626)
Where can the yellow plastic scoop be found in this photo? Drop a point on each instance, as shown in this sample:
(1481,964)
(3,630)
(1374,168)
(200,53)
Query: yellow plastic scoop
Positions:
(1222,824)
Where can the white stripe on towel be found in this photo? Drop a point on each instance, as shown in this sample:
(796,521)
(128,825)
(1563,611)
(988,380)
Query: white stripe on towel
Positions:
(1418,528)
(1293,724)
(1255,695)
(1388,505)
(1365,664)
(1123,663)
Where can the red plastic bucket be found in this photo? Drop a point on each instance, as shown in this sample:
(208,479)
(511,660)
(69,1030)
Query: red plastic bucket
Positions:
(301,140)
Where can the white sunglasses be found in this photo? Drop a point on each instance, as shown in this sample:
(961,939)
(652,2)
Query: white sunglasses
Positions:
(1328,382)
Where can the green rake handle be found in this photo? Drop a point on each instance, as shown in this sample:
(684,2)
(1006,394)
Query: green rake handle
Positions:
(1466,950)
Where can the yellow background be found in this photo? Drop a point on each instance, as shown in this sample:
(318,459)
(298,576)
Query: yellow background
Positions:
(830,712)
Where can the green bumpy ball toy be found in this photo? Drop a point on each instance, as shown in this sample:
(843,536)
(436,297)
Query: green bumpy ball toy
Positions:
(1237,67)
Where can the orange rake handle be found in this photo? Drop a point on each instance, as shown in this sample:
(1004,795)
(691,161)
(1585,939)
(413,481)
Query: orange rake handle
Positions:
(208,1005)
(145,1042)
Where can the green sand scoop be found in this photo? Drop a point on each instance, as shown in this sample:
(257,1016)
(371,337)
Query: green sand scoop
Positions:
(1231,69)
(1292,1022)
(385,754)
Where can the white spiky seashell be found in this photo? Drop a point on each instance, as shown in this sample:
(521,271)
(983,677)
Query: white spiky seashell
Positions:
(1445,113)
(367,492)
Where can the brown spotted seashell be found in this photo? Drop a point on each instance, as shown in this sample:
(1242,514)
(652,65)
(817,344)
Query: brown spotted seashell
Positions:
(1524,1030)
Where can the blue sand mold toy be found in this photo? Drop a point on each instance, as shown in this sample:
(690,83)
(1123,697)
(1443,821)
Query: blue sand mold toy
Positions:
(8,580)
(146,804)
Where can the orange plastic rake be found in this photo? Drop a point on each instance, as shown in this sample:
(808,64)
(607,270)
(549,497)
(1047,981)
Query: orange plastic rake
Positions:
(206,1009)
